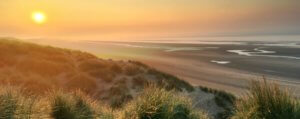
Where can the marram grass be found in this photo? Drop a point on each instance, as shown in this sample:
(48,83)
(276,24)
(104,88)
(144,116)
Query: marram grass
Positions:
(70,106)
(264,101)
(15,105)
(267,101)
(153,103)
(157,103)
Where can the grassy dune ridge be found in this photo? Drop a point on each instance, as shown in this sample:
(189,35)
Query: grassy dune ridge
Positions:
(47,82)
(42,68)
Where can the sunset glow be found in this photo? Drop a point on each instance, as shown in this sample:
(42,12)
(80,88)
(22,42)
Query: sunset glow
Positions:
(38,17)
(146,59)
(127,19)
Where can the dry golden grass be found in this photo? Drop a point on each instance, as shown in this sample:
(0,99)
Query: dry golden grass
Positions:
(82,82)
(267,101)
(40,68)
(157,103)
(58,104)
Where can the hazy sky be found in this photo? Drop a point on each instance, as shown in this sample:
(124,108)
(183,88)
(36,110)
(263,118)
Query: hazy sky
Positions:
(125,19)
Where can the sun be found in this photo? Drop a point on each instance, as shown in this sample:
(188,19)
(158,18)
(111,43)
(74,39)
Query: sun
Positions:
(38,17)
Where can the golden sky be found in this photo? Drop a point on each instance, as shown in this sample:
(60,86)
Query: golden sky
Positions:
(124,19)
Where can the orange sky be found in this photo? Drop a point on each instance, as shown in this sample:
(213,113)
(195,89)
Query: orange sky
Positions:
(125,19)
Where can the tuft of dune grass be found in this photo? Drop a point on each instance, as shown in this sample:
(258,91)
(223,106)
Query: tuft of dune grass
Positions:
(77,105)
(71,106)
(267,101)
(157,103)
(15,105)
(8,104)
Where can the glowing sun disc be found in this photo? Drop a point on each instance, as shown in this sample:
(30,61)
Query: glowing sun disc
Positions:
(38,17)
